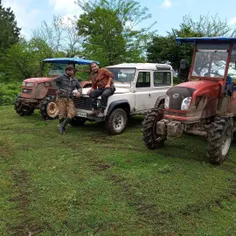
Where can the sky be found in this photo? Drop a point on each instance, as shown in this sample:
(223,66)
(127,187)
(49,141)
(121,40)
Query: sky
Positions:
(167,14)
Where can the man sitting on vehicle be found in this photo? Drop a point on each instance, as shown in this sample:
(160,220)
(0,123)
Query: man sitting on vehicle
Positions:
(102,85)
(67,87)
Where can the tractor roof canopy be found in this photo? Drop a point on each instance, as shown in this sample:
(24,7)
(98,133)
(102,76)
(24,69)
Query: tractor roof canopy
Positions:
(68,60)
(213,57)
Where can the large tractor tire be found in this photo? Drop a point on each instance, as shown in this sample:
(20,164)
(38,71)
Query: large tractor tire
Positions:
(21,109)
(48,108)
(219,138)
(77,121)
(116,122)
(150,138)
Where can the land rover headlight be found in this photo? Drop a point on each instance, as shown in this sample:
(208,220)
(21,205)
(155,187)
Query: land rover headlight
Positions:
(186,103)
(167,101)
(23,83)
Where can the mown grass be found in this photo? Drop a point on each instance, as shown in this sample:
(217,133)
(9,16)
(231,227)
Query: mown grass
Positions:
(89,183)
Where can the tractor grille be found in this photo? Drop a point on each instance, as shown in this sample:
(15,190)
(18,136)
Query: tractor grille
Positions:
(24,90)
(181,92)
(83,103)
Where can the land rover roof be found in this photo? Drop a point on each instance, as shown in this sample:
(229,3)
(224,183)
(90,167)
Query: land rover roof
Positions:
(143,66)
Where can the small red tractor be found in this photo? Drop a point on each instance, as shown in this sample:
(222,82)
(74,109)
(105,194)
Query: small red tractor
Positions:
(37,93)
(205,105)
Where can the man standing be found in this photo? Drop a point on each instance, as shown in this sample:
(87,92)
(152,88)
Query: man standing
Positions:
(67,87)
(102,85)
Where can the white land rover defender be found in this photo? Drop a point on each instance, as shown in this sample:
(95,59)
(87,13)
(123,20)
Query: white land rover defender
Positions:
(139,88)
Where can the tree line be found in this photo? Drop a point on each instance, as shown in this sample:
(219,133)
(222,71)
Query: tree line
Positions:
(107,31)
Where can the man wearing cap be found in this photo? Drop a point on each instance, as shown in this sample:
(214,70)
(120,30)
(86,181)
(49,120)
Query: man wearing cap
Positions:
(67,87)
(102,85)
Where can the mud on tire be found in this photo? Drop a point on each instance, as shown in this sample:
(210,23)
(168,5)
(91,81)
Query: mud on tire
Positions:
(23,110)
(220,135)
(150,138)
(48,100)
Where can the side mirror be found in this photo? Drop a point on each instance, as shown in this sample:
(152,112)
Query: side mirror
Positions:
(183,64)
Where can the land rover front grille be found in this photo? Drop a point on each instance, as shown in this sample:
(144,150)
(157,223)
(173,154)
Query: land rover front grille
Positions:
(83,103)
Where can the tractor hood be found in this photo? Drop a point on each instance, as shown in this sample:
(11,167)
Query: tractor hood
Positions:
(192,89)
(38,80)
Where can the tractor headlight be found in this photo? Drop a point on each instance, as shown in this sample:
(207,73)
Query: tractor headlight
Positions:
(186,103)
(167,101)
(29,84)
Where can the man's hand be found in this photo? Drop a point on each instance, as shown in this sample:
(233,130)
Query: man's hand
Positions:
(107,86)
(90,91)
(77,95)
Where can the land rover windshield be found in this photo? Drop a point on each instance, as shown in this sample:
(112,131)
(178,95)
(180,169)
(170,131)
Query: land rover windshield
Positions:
(123,75)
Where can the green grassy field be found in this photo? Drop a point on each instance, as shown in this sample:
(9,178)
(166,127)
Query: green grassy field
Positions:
(89,183)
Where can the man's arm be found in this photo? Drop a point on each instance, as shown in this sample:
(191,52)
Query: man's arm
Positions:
(110,78)
(55,82)
(78,87)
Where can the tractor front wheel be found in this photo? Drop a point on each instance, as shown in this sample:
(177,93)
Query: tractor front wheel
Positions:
(21,109)
(220,135)
(150,138)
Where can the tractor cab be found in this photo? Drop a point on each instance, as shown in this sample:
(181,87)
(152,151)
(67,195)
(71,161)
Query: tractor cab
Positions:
(213,59)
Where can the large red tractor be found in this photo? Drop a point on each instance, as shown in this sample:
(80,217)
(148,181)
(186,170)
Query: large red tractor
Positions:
(205,105)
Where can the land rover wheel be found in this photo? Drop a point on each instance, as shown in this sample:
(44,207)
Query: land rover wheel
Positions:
(220,135)
(76,121)
(48,108)
(116,122)
(150,138)
(21,109)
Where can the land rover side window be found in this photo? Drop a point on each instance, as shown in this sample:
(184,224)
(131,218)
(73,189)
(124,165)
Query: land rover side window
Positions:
(143,79)
(162,78)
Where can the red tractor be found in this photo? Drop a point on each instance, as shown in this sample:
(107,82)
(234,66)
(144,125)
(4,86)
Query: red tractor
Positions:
(37,93)
(205,105)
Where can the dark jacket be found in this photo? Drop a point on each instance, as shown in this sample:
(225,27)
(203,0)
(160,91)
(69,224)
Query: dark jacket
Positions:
(66,85)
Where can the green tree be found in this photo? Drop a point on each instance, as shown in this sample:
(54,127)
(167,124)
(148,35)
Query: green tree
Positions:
(9,32)
(22,60)
(130,14)
(102,32)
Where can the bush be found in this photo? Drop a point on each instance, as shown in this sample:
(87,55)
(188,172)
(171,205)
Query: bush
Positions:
(8,93)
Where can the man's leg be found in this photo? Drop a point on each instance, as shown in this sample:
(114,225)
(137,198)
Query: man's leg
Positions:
(104,97)
(62,114)
(70,113)
(94,95)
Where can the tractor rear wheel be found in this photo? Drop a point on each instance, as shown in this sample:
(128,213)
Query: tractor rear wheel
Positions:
(48,108)
(21,109)
(220,135)
(150,138)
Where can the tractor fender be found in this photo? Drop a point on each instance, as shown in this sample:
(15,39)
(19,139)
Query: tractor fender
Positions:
(123,103)
(159,99)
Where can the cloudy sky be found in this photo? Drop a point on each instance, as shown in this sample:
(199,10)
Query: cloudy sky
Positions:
(167,13)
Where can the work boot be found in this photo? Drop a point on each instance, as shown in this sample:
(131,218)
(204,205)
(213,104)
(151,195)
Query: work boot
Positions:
(62,126)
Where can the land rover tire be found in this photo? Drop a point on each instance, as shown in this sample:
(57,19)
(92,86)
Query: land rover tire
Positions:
(220,135)
(150,138)
(48,108)
(21,109)
(116,121)
(77,121)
